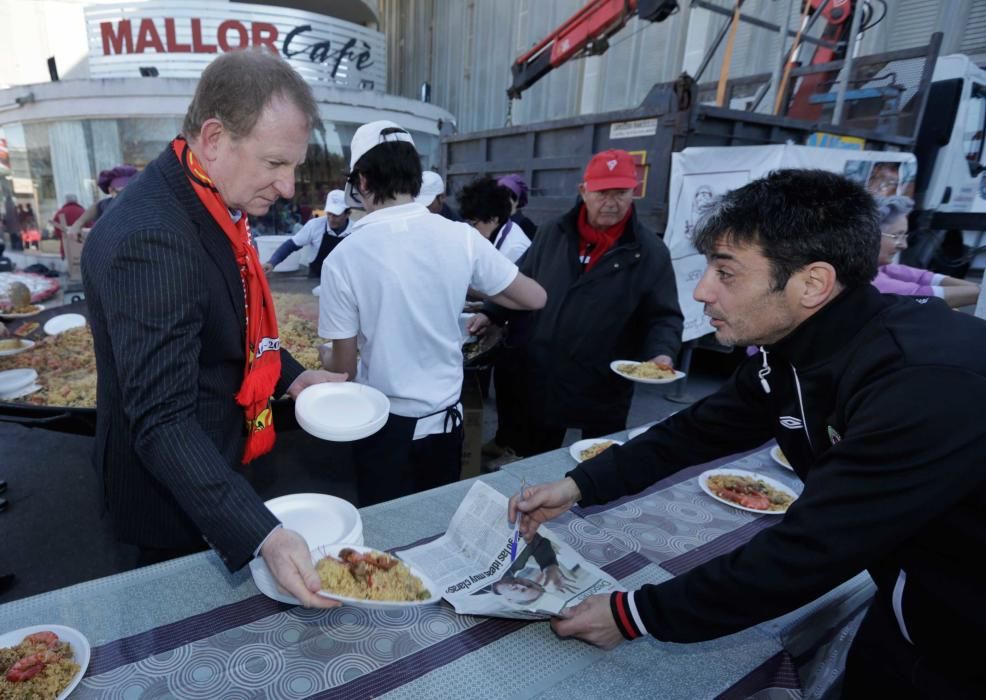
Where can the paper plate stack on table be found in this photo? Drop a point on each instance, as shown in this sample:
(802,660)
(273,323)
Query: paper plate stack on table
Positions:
(15,383)
(341,412)
(645,372)
(317,517)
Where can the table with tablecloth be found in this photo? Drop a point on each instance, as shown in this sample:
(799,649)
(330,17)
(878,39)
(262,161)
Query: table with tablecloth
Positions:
(187,628)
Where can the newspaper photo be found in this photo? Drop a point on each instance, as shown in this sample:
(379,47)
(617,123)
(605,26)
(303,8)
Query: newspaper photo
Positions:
(481,572)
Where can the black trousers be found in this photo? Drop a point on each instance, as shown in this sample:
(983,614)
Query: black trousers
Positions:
(510,387)
(391,463)
(544,438)
(882,664)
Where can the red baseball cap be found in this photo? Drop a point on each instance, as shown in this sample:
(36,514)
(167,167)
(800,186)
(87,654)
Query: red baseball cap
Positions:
(610,170)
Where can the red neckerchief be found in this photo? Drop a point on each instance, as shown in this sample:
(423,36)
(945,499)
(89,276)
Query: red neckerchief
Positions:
(594,242)
(263,357)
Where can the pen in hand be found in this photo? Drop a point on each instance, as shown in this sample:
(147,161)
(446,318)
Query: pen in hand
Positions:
(516,538)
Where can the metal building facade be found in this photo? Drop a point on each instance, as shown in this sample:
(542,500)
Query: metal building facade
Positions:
(464,49)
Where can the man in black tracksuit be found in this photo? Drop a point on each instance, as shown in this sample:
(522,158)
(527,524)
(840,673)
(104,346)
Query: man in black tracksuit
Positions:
(876,401)
(611,295)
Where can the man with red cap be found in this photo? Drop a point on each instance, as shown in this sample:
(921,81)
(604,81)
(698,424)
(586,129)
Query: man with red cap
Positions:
(611,295)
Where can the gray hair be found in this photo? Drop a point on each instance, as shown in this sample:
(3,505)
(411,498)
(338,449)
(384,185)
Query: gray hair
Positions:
(891,207)
(236,87)
(71,198)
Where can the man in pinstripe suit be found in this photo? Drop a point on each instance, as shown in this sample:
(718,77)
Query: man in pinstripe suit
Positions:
(167,279)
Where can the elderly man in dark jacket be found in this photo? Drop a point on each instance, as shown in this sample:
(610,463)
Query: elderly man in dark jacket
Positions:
(611,295)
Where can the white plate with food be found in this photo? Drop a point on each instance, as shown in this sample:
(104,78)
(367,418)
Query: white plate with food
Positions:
(63,322)
(63,673)
(341,411)
(590,447)
(22,312)
(350,573)
(778,456)
(747,491)
(13,380)
(23,391)
(318,517)
(646,372)
(14,346)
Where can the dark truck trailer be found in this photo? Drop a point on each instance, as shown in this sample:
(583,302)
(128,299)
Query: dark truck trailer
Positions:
(552,155)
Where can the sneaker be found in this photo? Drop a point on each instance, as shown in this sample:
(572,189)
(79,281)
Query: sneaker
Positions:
(491,449)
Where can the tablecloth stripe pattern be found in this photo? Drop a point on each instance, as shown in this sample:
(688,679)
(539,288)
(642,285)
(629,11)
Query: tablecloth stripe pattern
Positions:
(167,637)
(719,546)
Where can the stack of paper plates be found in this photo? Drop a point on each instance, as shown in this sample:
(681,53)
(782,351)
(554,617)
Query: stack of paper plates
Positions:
(341,412)
(17,382)
(317,517)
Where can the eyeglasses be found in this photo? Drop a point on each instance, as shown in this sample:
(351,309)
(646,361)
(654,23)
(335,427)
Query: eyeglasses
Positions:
(898,237)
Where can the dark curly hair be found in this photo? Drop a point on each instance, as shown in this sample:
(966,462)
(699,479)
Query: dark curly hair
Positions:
(798,217)
(484,200)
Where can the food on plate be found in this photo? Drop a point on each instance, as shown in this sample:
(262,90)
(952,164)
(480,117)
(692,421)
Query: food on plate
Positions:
(595,450)
(27,329)
(749,492)
(11,344)
(41,666)
(22,309)
(369,576)
(19,295)
(646,370)
(780,457)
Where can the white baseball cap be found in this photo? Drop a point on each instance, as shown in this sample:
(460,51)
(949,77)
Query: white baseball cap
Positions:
(432,185)
(335,203)
(371,135)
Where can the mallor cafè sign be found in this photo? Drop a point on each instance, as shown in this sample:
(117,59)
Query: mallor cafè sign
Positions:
(178,39)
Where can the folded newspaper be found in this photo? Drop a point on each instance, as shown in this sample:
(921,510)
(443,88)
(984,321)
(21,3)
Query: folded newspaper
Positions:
(471,564)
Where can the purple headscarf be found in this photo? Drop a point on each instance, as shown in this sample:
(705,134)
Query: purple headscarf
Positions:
(117,177)
(516,184)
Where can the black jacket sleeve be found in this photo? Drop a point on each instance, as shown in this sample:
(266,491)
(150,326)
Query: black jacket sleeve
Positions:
(660,311)
(155,308)
(892,474)
(729,421)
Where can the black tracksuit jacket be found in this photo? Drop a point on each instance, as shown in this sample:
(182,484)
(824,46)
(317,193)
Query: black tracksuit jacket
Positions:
(624,308)
(878,403)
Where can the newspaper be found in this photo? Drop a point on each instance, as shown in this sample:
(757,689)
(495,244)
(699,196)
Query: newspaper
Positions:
(471,564)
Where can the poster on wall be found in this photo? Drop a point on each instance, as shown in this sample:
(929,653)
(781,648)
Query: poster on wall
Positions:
(699,175)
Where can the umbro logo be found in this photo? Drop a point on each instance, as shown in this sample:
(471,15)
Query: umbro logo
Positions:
(611,164)
(792,423)
(922,300)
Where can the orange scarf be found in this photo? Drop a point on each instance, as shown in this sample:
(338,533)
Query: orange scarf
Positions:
(263,357)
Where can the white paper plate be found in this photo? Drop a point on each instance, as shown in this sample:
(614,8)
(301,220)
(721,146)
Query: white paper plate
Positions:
(341,411)
(80,648)
(12,317)
(704,478)
(778,456)
(13,380)
(63,322)
(678,374)
(23,391)
(577,447)
(333,550)
(317,517)
(24,345)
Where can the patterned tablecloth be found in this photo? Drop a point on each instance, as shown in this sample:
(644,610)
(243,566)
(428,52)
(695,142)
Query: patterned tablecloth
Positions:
(188,629)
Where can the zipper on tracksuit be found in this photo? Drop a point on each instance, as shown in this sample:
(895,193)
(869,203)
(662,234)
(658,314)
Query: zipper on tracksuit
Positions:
(764,372)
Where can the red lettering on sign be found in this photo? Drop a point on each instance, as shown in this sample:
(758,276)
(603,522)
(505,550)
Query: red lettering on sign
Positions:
(197,45)
(224,31)
(120,42)
(172,40)
(147,37)
(264,34)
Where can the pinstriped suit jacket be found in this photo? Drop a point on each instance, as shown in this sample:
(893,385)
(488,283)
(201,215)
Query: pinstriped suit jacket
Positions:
(167,313)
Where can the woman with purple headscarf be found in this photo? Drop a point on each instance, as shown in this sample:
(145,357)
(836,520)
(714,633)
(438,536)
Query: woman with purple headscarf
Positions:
(111,182)
(518,196)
